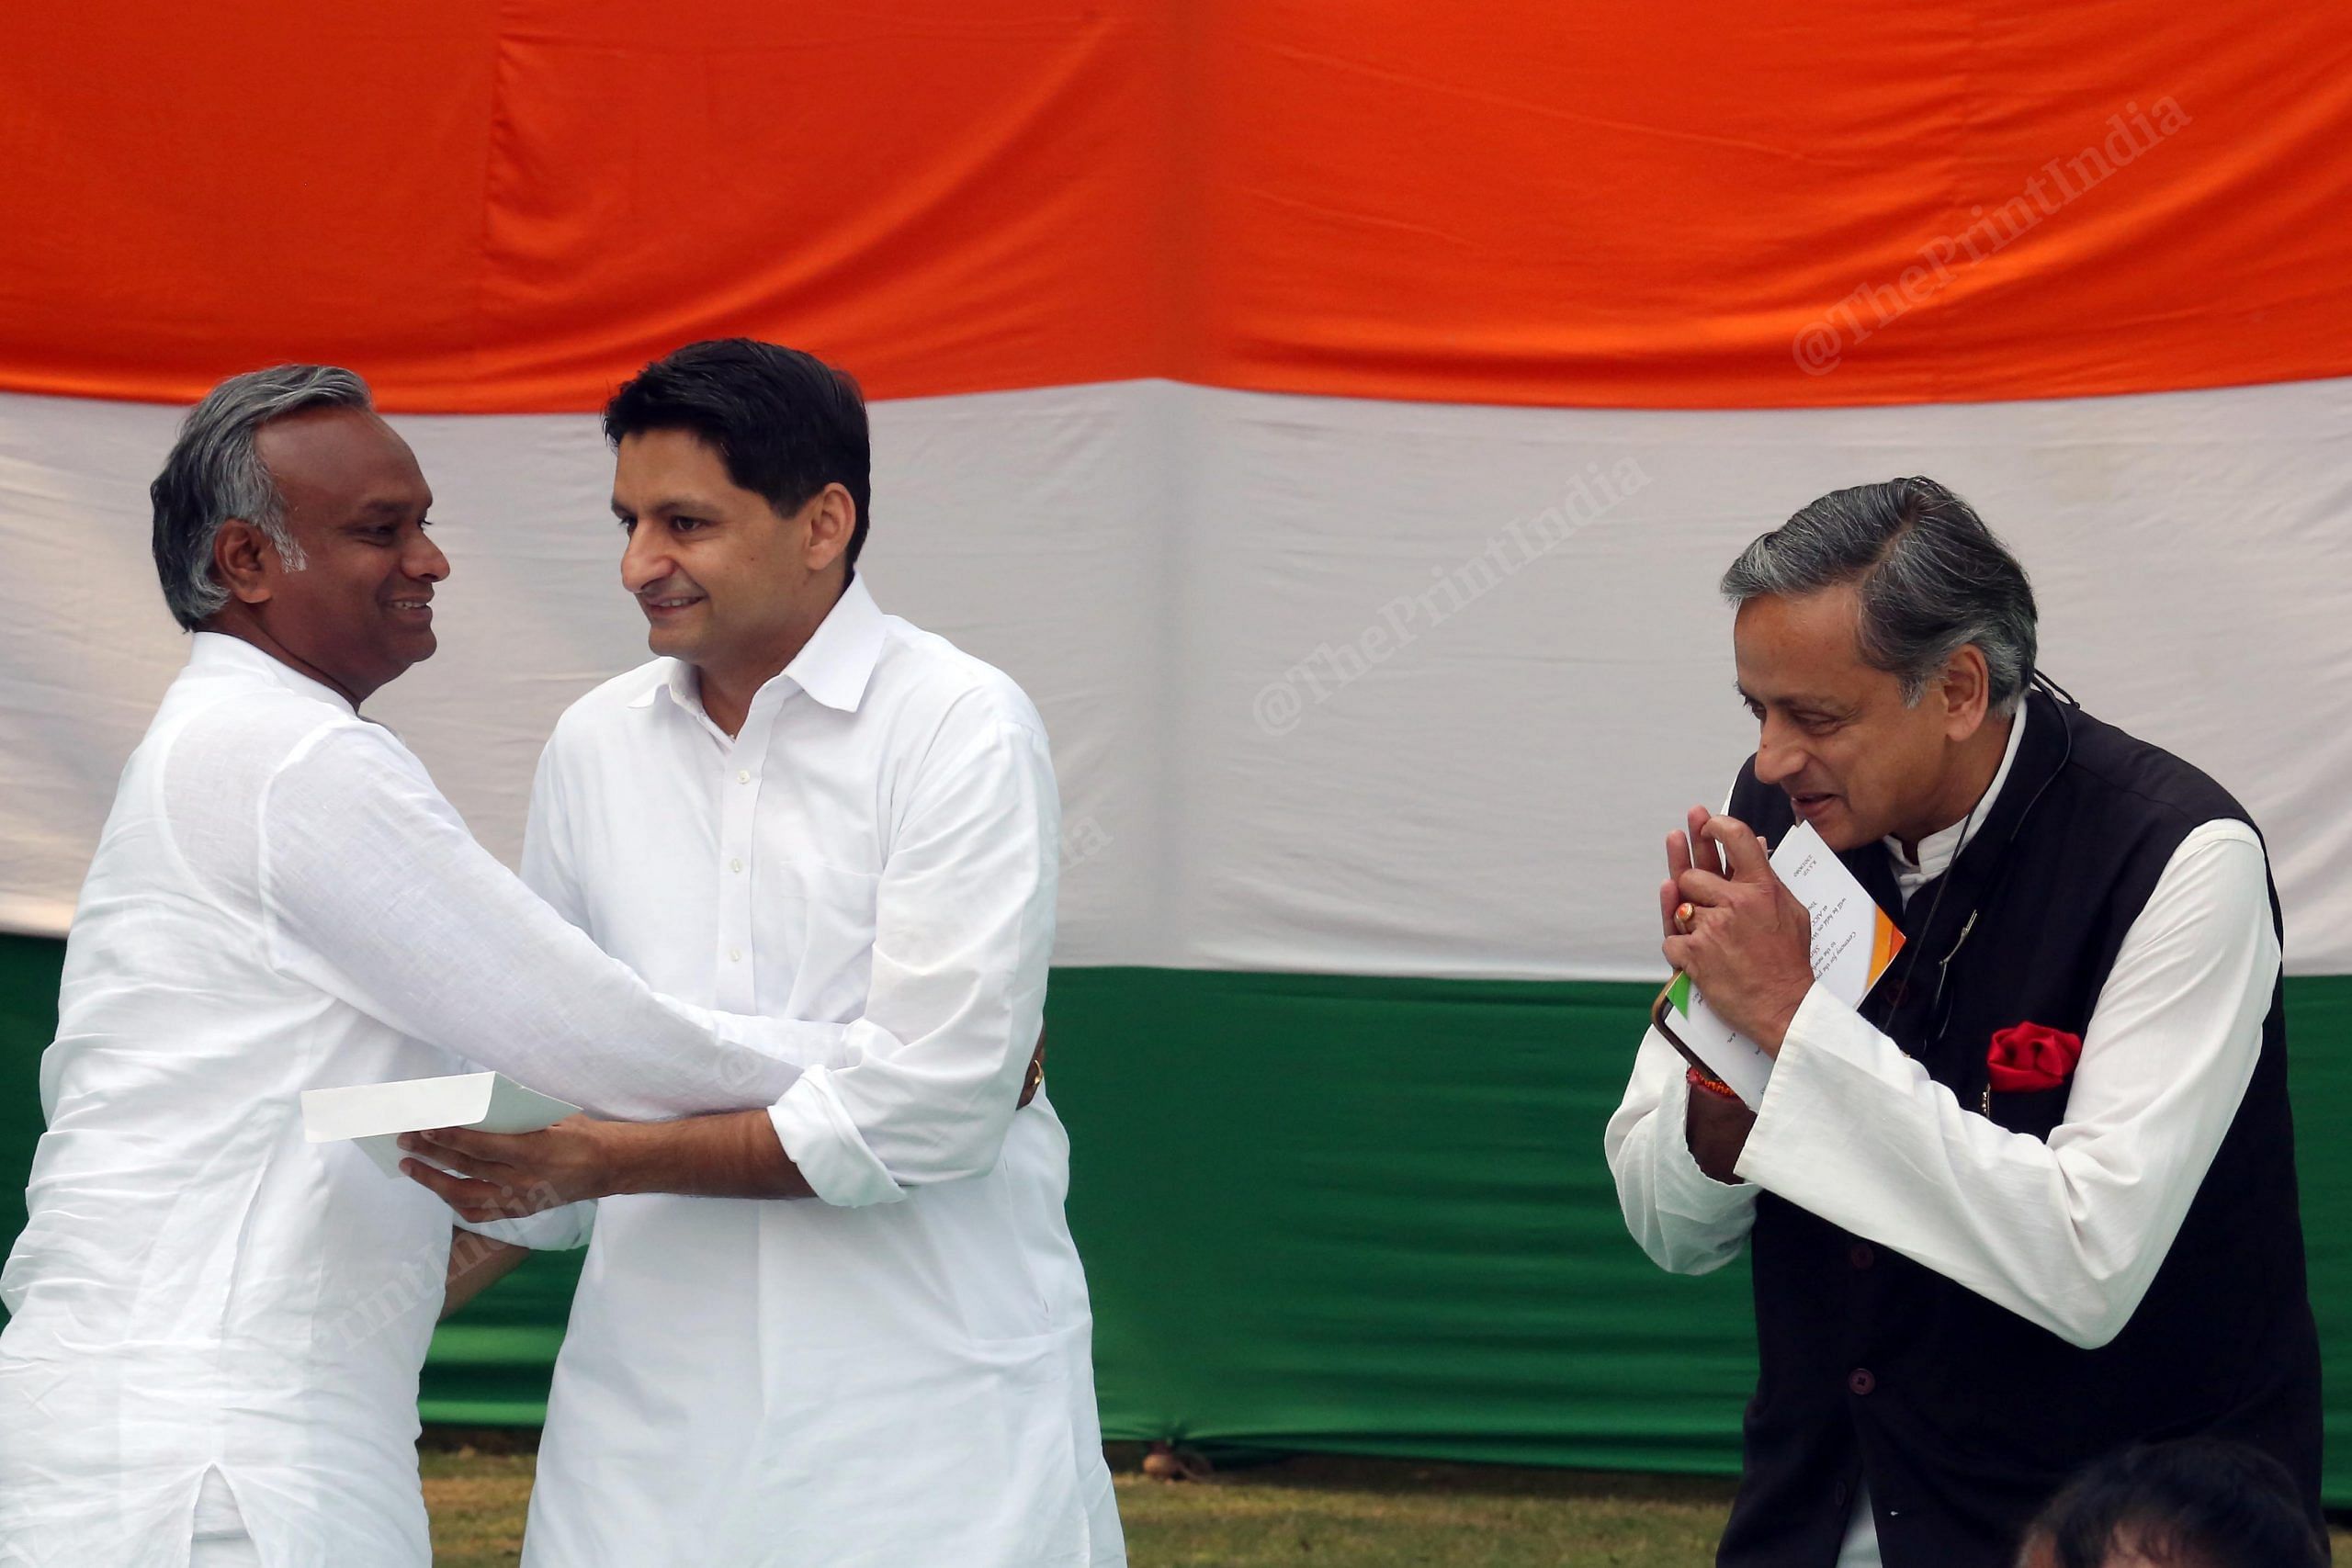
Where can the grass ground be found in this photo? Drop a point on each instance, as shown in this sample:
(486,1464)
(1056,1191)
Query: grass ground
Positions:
(1308,1512)
(1334,1513)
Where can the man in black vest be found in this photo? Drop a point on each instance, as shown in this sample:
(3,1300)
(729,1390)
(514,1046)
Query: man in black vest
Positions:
(2035,1198)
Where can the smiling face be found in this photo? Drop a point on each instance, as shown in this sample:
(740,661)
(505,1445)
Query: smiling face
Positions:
(358,611)
(1835,735)
(727,582)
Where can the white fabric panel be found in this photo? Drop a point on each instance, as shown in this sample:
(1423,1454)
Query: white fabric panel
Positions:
(1298,726)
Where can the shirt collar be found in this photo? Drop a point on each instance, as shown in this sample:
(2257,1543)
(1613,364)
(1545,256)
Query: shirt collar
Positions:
(219,652)
(1940,848)
(833,666)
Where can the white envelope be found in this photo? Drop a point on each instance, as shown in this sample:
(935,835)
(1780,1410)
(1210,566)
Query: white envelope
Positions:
(374,1115)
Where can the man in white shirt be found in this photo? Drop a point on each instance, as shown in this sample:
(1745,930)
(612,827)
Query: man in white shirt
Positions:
(216,1325)
(2035,1198)
(810,809)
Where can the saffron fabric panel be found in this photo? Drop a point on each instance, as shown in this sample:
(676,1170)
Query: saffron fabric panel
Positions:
(1335,686)
(505,208)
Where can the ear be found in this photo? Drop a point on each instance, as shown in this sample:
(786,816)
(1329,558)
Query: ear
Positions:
(1967,689)
(243,560)
(833,519)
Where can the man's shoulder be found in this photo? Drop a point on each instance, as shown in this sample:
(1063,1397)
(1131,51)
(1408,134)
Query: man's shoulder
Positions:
(607,710)
(266,760)
(2113,760)
(253,730)
(924,674)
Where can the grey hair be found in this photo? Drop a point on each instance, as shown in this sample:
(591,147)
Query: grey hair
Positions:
(214,473)
(1932,578)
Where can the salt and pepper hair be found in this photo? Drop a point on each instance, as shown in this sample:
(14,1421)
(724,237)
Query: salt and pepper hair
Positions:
(215,473)
(1932,579)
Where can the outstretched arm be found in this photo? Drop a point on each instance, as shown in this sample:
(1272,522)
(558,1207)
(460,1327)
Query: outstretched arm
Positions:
(487,1177)
(373,890)
(928,1079)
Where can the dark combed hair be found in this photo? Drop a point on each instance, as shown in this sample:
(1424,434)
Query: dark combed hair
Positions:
(1932,579)
(2196,1503)
(785,423)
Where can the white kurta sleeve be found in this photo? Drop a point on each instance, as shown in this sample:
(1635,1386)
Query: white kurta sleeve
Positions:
(371,888)
(548,871)
(1686,1220)
(964,931)
(2070,1232)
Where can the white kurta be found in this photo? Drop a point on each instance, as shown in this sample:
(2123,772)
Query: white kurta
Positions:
(897,1373)
(2067,1233)
(281,901)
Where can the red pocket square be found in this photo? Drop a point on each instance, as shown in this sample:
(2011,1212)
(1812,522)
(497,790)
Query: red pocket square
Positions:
(2028,1056)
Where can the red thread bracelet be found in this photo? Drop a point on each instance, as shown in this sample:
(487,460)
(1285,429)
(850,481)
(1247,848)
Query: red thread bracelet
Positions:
(1699,1078)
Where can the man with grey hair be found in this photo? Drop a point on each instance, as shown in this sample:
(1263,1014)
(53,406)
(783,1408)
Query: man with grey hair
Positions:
(2034,1198)
(215,1325)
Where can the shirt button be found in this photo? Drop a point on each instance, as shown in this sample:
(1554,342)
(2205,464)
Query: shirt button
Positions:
(742,776)
(1860,1255)
(734,955)
(735,864)
(1860,1381)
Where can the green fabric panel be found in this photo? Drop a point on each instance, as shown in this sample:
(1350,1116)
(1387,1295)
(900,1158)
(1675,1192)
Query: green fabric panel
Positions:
(1332,1214)
(1360,1215)
(2319,1030)
(29,967)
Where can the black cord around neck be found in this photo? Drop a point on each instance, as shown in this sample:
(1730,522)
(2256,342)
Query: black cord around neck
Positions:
(2064,702)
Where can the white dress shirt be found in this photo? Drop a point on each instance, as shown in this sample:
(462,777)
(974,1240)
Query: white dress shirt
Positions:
(2068,1232)
(898,1372)
(203,1302)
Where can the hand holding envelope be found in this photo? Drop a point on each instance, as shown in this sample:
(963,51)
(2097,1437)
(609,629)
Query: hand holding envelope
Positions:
(490,1147)
(375,1115)
(1748,943)
(489,1175)
(1758,933)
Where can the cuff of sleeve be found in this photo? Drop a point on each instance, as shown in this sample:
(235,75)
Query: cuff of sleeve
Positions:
(551,1230)
(1685,1190)
(1829,1048)
(824,1144)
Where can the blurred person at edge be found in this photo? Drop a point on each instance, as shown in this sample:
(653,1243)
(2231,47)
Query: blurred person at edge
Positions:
(2035,1198)
(2196,1503)
(850,1328)
(215,1326)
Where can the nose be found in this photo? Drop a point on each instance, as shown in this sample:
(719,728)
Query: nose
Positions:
(1778,756)
(424,560)
(645,560)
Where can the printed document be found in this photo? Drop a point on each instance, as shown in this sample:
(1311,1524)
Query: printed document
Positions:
(1853,942)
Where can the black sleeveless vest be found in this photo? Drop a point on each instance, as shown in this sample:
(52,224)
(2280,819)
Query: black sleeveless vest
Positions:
(1962,1416)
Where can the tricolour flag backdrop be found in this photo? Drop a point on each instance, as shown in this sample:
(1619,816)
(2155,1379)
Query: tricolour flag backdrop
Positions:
(1336,417)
